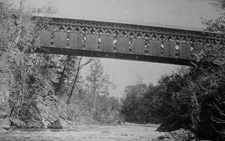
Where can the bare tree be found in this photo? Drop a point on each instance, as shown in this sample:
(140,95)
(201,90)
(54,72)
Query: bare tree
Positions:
(76,75)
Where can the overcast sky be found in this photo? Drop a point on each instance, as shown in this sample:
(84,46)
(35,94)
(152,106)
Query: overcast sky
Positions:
(175,13)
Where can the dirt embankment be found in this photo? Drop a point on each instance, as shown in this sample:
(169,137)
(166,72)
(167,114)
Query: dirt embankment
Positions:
(127,132)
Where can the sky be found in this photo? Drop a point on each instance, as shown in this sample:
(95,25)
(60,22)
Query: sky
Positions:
(184,14)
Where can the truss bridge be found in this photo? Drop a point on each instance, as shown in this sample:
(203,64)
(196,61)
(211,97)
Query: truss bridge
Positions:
(125,41)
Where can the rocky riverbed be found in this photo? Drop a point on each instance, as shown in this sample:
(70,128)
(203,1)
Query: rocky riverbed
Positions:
(127,132)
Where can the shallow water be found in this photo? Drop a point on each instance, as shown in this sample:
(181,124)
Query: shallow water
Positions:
(130,132)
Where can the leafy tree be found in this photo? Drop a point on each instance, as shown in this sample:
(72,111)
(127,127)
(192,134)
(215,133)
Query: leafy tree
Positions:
(47,86)
(132,107)
(98,86)
(97,82)
(193,98)
(208,87)
(219,3)
(24,71)
(208,90)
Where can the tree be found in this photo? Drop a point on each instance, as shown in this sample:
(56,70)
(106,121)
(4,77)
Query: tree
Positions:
(98,86)
(132,106)
(208,87)
(76,75)
(97,82)
(46,86)
(24,71)
(219,3)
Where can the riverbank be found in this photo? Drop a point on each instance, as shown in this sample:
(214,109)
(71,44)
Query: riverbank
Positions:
(127,132)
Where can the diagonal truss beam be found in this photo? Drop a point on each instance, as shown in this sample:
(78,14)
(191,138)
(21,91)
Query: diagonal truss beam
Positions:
(125,41)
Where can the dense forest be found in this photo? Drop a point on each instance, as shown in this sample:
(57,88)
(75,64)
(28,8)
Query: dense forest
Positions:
(38,89)
(192,99)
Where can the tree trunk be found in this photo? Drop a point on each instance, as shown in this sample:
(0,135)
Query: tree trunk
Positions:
(62,75)
(75,81)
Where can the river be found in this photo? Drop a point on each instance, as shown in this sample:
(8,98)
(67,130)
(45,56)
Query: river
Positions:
(127,132)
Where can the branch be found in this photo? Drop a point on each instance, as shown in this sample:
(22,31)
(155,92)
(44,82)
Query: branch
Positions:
(75,80)
(215,106)
(86,63)
(217,120)
(216,129)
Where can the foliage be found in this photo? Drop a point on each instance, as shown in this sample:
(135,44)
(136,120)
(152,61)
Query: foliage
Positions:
(219,3)
(191,99)
(45,87)
(19,65)
(98,85)
(132,107)
(210,95)
(97,82)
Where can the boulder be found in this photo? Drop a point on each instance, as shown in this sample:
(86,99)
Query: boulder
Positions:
(16,123)
(60,124)
(4,124)
(46,123)
(35,124)
(30,114)
(66,124)
(48,111)
(55,125)
(178,135)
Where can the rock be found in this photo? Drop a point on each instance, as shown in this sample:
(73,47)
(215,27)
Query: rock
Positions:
(191,136)
(61,124)
(35,124)
(55,125)
(4,124)
(46,123)
(49,111)
(161,137)
(66,124)
(30,114)
(3,114)
(168,136)
(178,135)
(164,139)
(16,123)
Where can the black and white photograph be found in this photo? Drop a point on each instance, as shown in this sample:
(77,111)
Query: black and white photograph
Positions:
(112,70)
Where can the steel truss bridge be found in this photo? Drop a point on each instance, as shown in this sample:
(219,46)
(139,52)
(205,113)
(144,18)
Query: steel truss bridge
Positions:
(125,41)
